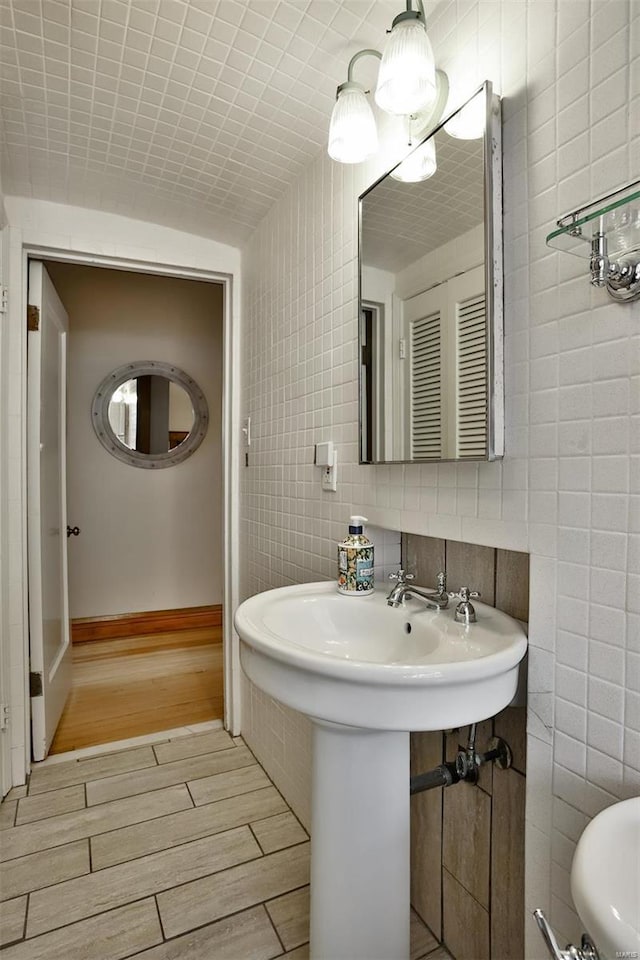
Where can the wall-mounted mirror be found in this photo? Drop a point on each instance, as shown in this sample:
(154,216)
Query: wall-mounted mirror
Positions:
(430,259)
(150,414)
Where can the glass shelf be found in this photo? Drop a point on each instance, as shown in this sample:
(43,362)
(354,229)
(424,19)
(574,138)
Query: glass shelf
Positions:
(616,216)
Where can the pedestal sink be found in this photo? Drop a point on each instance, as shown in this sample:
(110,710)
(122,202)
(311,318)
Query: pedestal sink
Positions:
(367,674)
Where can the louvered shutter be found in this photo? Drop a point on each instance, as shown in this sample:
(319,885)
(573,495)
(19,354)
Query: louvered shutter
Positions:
(426,382)
(471,334)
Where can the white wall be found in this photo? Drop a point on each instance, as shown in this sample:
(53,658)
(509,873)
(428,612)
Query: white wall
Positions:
(567,489)
(37,224)
(452,258)
(150,539)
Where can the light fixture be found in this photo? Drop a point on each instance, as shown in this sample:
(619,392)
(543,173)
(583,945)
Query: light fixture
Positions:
(408,85)
(419,165)
(352,133)
(407,75)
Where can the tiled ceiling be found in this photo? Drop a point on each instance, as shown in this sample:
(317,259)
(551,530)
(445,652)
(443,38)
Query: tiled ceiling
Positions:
(193,113)
(402,222)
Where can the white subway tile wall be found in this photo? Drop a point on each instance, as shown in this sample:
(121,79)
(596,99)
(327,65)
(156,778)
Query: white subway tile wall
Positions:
(569,489)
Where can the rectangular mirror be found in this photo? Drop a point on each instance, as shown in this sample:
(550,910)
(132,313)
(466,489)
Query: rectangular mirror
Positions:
(430,259)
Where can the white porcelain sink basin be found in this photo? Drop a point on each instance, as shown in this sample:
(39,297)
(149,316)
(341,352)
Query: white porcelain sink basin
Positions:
(605,880)
(358,661)
(366,674)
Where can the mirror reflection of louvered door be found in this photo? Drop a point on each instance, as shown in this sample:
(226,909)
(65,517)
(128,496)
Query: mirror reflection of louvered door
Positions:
(468,324)
(426,375)
(447,370)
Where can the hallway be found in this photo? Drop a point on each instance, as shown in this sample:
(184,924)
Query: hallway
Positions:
(137,685)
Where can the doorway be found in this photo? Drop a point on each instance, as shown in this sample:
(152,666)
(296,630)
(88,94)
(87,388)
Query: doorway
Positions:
(145,550)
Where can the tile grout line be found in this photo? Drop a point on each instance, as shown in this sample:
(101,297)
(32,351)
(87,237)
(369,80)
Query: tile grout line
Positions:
(153,896)
(91,916)
(159,766)
(58,846)
(194,806)
(287,810)
(177,886)
(273,784)
(26,917)
(194,756)
(472,895)
(48,886)
(157,906)
(275,929)
(255,837)
(206,836)
(227,916)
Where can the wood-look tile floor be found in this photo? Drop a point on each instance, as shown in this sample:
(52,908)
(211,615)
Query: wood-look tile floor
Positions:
(137,685)
(183,850)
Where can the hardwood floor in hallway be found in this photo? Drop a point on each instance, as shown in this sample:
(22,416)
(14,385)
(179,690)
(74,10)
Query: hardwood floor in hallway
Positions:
(138,685)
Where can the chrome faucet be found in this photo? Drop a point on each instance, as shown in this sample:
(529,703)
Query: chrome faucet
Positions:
(402,590)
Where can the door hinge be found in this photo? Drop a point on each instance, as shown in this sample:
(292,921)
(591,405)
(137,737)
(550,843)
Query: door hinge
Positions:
(3,298)
(35,684)
(33,318)
(5,715)
(402,349)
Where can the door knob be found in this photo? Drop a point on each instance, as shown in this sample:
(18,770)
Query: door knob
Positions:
(73,531)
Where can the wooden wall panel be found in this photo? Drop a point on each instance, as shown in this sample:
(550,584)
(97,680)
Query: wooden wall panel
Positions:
(467,853)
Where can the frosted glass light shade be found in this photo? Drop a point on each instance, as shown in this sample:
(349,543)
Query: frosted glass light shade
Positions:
(407,75)
(352,132)
(419,165)
(469,122)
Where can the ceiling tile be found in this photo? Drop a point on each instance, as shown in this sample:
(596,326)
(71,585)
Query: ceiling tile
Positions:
(193,113)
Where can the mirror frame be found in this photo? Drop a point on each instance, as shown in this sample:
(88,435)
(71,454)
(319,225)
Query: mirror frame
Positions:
(494,281)
(149,461)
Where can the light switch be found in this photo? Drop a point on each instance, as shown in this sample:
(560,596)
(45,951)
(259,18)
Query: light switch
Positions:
(246,431)
(324,454)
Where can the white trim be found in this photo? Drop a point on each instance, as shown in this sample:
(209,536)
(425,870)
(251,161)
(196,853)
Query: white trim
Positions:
(160,736)
(5,653)
(19,645)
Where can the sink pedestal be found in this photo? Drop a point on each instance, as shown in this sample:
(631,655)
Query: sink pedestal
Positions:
(360,871)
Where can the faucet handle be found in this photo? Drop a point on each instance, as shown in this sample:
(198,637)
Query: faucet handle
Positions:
(442,584)
(401,576)
(465,594)
(465,611)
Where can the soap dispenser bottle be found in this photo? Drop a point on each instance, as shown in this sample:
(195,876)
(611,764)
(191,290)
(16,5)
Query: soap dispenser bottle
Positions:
(355,561)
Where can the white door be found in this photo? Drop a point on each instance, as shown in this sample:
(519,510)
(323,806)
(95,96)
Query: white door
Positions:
(425,376)
(446,380)
(47,510)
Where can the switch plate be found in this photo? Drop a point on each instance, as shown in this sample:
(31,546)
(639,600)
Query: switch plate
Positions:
(246,431)
(325,453)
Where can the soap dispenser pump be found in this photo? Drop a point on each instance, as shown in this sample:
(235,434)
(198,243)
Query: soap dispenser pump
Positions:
(355,561)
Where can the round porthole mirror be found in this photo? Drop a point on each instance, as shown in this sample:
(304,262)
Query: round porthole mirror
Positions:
(150,414)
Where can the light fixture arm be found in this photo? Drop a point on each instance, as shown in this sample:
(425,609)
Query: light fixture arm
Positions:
(420,8)
(356,57)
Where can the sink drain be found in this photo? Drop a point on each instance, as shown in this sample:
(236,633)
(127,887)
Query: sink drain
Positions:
(407,627)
